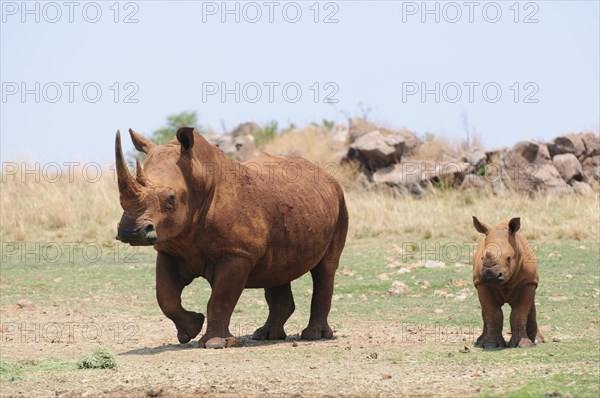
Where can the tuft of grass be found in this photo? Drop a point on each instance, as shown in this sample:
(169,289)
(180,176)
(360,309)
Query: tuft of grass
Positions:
(101,358)
(10,371)
(17,370)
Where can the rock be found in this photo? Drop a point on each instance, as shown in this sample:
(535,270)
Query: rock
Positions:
(357,127)
(248,128)
(476,157)
(494,155)
(568,167)
(240,147)
(591,169)
(411,141)
(412,177)
(582,188)
(434,264)
(568,143)
(398,288)
(375,151)
(591,142)
(527,167)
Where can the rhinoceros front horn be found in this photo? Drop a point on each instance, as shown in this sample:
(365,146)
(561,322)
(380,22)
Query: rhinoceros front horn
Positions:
(130,191)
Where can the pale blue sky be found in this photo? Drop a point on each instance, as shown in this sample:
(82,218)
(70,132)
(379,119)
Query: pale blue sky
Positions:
(175,50)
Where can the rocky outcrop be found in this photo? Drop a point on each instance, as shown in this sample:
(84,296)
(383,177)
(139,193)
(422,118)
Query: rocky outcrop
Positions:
(567,164)
(527,166)
(239,143)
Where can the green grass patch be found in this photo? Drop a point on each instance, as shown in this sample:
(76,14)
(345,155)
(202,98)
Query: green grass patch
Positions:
(99,359)
(18,370)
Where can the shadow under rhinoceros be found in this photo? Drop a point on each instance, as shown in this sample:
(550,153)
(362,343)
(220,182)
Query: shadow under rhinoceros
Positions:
(242,342)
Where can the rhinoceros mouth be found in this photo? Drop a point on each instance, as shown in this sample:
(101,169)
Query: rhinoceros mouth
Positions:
(491,278)
(145,236)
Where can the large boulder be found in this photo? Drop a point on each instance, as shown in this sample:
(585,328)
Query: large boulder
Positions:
(240,147)
(375,151)
(591,142)
(244,129)
(527,167)
(475,156)
(411,141)
(357,127)
(568,167)
(582,188)
(567,143)
(591,169)
(413,177)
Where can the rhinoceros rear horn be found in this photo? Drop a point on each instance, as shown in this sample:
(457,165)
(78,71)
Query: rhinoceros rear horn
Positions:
(130,191)
(185,136)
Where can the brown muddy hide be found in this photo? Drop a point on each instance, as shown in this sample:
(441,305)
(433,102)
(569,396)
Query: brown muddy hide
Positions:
(498,256)
(155,202)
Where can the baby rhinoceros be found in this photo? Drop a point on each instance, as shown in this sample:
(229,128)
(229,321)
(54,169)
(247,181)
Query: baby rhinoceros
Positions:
(505,270)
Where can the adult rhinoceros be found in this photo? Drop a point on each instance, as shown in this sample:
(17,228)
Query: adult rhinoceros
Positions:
(260,224)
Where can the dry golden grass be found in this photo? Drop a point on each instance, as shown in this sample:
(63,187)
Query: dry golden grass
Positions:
(81,211)
(435,150)
(64,210)
(447,215)
(311,142)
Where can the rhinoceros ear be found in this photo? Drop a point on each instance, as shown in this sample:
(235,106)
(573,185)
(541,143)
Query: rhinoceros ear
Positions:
(185,136)
(514,225)
(480,226)
(140,142)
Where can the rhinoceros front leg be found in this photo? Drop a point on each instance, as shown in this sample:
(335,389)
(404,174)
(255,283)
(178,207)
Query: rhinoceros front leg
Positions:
(520,322)
(169,285)
(227,282)
(281,307)
(493,319)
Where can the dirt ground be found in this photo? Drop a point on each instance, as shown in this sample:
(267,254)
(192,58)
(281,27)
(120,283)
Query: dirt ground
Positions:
(364,359)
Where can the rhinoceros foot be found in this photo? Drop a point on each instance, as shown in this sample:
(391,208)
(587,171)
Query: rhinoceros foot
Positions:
(523,342)
(189,329)
(315,332)
(488,343)
(218,342)
(268,332)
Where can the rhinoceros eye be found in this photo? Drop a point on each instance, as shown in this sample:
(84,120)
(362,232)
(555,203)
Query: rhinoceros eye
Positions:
(171,198)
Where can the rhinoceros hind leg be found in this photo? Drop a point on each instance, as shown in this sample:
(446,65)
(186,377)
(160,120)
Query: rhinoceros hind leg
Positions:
(281,307)
(322,276)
